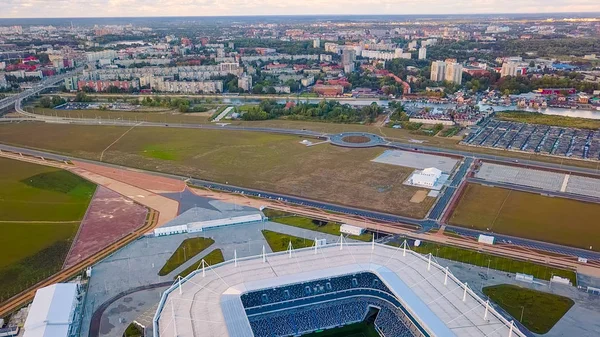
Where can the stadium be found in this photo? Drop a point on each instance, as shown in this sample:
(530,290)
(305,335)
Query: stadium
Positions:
(399,292)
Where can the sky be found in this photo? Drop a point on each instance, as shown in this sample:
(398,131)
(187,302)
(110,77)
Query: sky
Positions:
(142,8)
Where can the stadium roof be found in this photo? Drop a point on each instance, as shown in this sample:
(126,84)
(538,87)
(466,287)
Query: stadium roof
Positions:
(51,312)
(208,301)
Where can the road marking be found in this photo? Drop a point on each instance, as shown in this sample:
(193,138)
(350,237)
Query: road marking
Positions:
(563,188)
(113,143)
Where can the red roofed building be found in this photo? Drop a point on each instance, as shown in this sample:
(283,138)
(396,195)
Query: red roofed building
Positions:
(476,71)
(405,86)
(341,82)
(276,66)
(328,90)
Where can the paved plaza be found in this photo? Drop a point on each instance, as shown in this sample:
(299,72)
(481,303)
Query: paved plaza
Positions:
(416,160)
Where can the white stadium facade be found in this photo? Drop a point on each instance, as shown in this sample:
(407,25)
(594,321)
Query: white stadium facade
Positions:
(296,292)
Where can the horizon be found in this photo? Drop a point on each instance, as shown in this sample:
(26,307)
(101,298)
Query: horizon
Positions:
(333,17)
(66,9)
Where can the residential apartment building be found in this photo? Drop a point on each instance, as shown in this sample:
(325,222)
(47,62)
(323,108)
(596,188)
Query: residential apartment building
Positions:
(438,71)
(101,55)
(100,86)
(453,73)
(422,53)
(509,69)
(245,82)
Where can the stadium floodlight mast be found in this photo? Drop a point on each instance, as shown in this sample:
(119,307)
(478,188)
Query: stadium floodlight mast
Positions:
(429,263)
(446,277)
(487,307)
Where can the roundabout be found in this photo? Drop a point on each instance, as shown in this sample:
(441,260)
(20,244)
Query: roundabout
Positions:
(356,139)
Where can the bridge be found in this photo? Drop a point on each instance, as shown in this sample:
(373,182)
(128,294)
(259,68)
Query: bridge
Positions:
(47,83)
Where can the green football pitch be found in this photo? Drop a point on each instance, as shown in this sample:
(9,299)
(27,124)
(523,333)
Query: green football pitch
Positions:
(354,330)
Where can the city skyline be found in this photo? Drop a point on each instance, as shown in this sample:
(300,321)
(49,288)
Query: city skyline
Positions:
(146,8)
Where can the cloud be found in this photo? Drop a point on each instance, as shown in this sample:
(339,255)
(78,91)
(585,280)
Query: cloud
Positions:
(137,8)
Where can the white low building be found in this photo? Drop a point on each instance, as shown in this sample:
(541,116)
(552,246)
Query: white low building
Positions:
(427,177)
(52,311)
(200,226)
(352,230)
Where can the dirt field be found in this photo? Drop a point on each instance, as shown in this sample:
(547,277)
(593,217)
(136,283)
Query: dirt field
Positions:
(419,196)
(277,163)
(109,217)
(527,215)
(142,180)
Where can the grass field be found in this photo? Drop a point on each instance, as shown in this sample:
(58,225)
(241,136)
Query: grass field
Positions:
(552,120)
(185,252)
(277,163)
(532,216)
(279,242)
(539,310)
(306,223)
(539,271)
(40,212)
(401,135)
(353,330)
(212,258)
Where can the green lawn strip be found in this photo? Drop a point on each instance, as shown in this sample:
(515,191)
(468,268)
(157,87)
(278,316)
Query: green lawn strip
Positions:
(310,224)
(551,120)
(212,258)
(132,331)
(540,310)
(279,242)
(185,252)
(218,112)
(495,262)
(274,213)
(450,131)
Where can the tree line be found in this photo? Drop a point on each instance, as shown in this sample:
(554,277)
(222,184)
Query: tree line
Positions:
(329,111)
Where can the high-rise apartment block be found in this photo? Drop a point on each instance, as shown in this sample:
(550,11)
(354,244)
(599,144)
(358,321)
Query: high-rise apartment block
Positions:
(438,71)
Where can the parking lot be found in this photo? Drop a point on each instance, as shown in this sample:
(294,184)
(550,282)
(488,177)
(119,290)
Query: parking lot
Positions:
(544,180)
(417,160)
(551,140)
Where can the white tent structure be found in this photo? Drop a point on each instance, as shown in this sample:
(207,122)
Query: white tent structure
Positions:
(427,177)
(52,310)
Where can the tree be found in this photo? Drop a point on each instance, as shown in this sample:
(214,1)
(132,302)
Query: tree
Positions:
(46,102)
(82,97)
(257,89)
(271,90)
